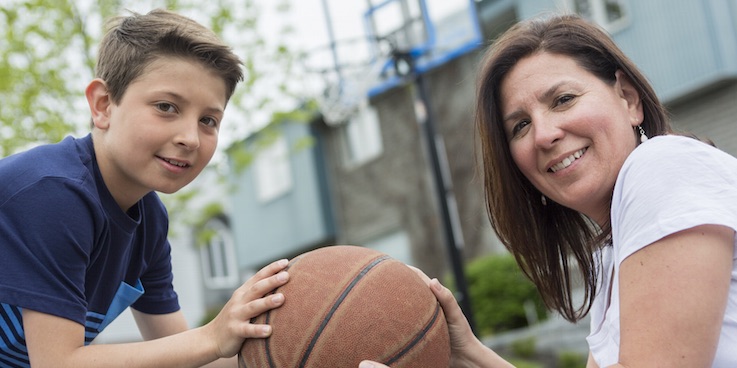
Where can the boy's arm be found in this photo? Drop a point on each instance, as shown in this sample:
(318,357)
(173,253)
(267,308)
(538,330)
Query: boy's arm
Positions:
(58,342)
(154,326)
(54,341)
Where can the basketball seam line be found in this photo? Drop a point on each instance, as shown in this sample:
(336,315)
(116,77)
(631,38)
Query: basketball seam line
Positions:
(335,306)
(267,348)
(417,338)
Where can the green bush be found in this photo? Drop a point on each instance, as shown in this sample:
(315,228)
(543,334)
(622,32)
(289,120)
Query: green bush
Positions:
(498,290)
(524,348)
(571,359)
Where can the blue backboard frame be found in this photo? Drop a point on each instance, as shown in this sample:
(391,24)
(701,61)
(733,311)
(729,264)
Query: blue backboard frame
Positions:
(424,55)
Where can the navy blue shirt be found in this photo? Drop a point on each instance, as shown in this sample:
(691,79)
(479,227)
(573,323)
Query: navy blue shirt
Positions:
(68,249)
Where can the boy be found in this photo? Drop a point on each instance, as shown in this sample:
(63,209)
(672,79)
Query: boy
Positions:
(82,233)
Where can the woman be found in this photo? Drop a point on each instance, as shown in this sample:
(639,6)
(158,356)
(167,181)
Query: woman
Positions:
(584,178)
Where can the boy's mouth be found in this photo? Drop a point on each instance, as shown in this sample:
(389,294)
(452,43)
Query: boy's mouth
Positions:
(175,162)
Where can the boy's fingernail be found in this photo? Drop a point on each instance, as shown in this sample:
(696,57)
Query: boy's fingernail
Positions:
(266,330)
(277,298)
(282,276)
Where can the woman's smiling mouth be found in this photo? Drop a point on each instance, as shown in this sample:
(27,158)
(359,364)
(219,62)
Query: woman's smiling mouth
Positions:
(568,160)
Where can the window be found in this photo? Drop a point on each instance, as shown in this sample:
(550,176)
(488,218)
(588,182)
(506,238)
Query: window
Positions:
(395,244)
(217,255)
(610,14)
(272,170)
(363,136)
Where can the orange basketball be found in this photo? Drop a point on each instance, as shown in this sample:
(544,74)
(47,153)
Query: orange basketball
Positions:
(345,304)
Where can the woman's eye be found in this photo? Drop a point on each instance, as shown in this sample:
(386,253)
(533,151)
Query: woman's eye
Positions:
(517,128)
(562,100)
(166,107)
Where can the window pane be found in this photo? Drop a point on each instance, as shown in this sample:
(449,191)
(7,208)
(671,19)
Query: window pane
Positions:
(583,8)
(218,258)
(272,171)
(613,10)
(363,136)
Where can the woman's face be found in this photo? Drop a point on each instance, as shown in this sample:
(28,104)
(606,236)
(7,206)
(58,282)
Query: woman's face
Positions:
(569,132)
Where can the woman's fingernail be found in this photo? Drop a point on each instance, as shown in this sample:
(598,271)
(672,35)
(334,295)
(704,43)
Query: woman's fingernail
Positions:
(365,365)
(435,284)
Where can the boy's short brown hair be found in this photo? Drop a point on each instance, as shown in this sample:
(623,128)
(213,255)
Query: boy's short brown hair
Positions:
(133,42)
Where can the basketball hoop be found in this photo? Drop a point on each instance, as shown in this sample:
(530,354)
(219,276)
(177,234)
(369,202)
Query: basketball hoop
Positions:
(341,90)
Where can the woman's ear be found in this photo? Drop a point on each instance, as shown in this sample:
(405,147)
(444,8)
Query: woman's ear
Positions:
(99,101)
(630,96)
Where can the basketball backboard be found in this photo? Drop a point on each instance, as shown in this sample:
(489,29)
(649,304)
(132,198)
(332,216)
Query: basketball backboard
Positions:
(375,47)
(429,32)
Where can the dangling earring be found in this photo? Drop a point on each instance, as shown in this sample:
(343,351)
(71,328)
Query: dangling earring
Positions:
(643,137)
(543,199)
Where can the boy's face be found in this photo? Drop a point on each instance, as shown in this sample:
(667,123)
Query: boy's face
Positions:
(163,132)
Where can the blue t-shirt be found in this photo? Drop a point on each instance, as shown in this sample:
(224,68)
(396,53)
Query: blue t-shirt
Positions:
(68,249)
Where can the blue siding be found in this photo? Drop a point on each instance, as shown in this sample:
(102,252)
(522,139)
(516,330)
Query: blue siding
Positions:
(682,46)
(285,225)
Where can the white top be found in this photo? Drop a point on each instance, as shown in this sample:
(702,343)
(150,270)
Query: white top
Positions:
(667,184)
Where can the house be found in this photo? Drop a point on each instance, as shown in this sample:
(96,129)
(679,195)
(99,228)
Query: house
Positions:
(369,180)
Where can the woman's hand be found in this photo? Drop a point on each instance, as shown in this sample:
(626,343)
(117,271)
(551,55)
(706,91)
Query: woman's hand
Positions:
(465,349)
(233,324)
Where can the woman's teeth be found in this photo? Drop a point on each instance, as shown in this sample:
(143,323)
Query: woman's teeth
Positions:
(568,160)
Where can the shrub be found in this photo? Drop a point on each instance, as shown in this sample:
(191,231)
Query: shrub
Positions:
(571,359)
(498,290)
(524,348)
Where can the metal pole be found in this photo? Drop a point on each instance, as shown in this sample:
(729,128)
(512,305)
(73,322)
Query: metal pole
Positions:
(331,37)
(446,199)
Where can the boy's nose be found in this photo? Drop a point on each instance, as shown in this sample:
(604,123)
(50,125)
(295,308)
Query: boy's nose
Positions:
(188,136)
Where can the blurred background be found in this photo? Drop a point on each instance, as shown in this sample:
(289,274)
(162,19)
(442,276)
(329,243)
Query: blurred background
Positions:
(355,126)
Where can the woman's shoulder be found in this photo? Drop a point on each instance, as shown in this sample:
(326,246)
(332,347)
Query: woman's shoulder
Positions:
(670,155)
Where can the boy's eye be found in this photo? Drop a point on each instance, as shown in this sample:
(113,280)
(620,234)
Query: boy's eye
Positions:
(166,107)
(209,121)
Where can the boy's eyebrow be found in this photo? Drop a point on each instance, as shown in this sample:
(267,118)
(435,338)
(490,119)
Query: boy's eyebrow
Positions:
(176,96)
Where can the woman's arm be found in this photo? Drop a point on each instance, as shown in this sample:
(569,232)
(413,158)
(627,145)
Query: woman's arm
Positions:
(673,295)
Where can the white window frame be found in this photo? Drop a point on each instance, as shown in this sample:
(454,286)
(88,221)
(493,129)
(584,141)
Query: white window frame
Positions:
(396,244)
(273,171)
(600,16)
(362,136)
(218,257)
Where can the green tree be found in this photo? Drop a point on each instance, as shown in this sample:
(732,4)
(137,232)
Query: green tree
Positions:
(47,55)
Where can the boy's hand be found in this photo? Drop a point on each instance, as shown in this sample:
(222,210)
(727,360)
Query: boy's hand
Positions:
(233,324)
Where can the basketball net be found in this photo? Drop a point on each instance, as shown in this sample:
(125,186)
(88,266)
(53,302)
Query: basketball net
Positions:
(345,92)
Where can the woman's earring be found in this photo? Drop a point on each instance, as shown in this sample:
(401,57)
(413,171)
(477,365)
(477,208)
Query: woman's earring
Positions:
(643,137)
(543,199)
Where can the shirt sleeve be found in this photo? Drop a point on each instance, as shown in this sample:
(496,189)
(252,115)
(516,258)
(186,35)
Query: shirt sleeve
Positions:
(670,184)
(46,231)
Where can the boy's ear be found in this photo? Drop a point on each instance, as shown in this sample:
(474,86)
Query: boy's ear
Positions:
(99,101)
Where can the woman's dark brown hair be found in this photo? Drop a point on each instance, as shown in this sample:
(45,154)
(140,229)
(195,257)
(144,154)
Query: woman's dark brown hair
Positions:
(551,243)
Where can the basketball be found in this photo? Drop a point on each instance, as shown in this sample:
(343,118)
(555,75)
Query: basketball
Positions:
(348,303)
